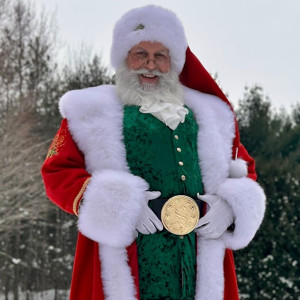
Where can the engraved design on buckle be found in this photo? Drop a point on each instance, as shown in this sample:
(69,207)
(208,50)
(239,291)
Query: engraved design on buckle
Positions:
(180,215)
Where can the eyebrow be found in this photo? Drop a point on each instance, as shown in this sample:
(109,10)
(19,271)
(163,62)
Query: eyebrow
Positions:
(162,50)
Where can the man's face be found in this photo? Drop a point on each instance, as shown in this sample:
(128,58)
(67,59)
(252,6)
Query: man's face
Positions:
(149,56)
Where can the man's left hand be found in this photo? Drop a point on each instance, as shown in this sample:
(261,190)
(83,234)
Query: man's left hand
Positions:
(218,218)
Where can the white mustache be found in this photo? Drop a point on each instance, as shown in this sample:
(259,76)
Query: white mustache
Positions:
(148,72)
(132,92)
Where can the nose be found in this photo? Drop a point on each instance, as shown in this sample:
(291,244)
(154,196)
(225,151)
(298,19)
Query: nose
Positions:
(150,64)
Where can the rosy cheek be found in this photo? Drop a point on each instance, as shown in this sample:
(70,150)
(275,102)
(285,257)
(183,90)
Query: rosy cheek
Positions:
(130,64)
(165,68)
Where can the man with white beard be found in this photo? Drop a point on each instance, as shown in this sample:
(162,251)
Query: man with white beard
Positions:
(153,85)
(154,169)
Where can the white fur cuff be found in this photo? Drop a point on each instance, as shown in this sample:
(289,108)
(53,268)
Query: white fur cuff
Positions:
(111,206)
(247,200)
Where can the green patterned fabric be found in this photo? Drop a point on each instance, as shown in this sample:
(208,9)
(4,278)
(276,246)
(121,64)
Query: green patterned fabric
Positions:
(162,156)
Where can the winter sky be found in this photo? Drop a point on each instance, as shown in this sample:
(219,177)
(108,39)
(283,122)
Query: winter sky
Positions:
(245,42)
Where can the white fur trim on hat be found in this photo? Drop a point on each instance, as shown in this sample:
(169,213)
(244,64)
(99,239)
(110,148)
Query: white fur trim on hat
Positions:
(149,23)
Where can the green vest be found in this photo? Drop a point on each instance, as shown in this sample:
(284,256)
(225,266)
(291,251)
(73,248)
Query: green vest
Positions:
(168,161)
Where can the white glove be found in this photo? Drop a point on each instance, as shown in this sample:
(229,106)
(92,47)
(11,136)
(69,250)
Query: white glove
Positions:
(148,221)
(218,218)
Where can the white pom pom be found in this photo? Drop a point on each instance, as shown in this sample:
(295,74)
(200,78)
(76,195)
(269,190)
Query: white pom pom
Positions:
(238,168)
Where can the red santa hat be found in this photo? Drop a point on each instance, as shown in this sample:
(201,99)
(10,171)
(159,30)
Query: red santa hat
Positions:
(196,77)
(156,24)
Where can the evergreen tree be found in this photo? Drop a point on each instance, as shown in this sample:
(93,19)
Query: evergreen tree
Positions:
(269,268)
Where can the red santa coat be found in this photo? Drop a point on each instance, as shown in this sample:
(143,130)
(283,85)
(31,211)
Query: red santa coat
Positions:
(86,149)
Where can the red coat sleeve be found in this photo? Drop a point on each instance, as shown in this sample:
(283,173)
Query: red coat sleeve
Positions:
(63,171)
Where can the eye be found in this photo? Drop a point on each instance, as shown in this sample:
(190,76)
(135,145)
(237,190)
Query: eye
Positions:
(160,56)
(141,54)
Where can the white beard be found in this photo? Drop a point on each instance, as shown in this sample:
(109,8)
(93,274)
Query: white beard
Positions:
(164,100)
(132,92)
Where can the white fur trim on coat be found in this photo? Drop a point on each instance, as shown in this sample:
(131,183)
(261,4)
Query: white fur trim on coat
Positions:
(247,200)
(112,199)
(215,137)
(111,207)
(210,274)
(118,283)
(95,120)
(149,23)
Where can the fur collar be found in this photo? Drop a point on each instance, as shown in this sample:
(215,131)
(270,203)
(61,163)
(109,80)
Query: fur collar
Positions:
(95,118)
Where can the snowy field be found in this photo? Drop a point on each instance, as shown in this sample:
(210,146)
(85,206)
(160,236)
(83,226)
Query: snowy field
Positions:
(47,295)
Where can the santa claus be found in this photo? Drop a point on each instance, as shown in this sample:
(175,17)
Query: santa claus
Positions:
(137,161)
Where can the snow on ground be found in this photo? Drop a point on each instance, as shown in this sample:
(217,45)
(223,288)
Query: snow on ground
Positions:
(46,295)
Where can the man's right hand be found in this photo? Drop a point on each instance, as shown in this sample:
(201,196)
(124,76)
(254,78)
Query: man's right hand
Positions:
(148,222)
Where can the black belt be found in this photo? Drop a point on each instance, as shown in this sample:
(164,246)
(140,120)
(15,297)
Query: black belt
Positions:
(157,204)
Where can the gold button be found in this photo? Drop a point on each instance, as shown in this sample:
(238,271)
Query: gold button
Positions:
(183,177)
(180,163)
(176,137)
(181,236)
(178,149)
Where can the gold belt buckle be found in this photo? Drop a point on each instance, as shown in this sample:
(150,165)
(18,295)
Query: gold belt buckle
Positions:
(180,215)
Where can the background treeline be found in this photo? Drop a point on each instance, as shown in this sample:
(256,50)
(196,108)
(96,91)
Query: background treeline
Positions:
(37,240)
